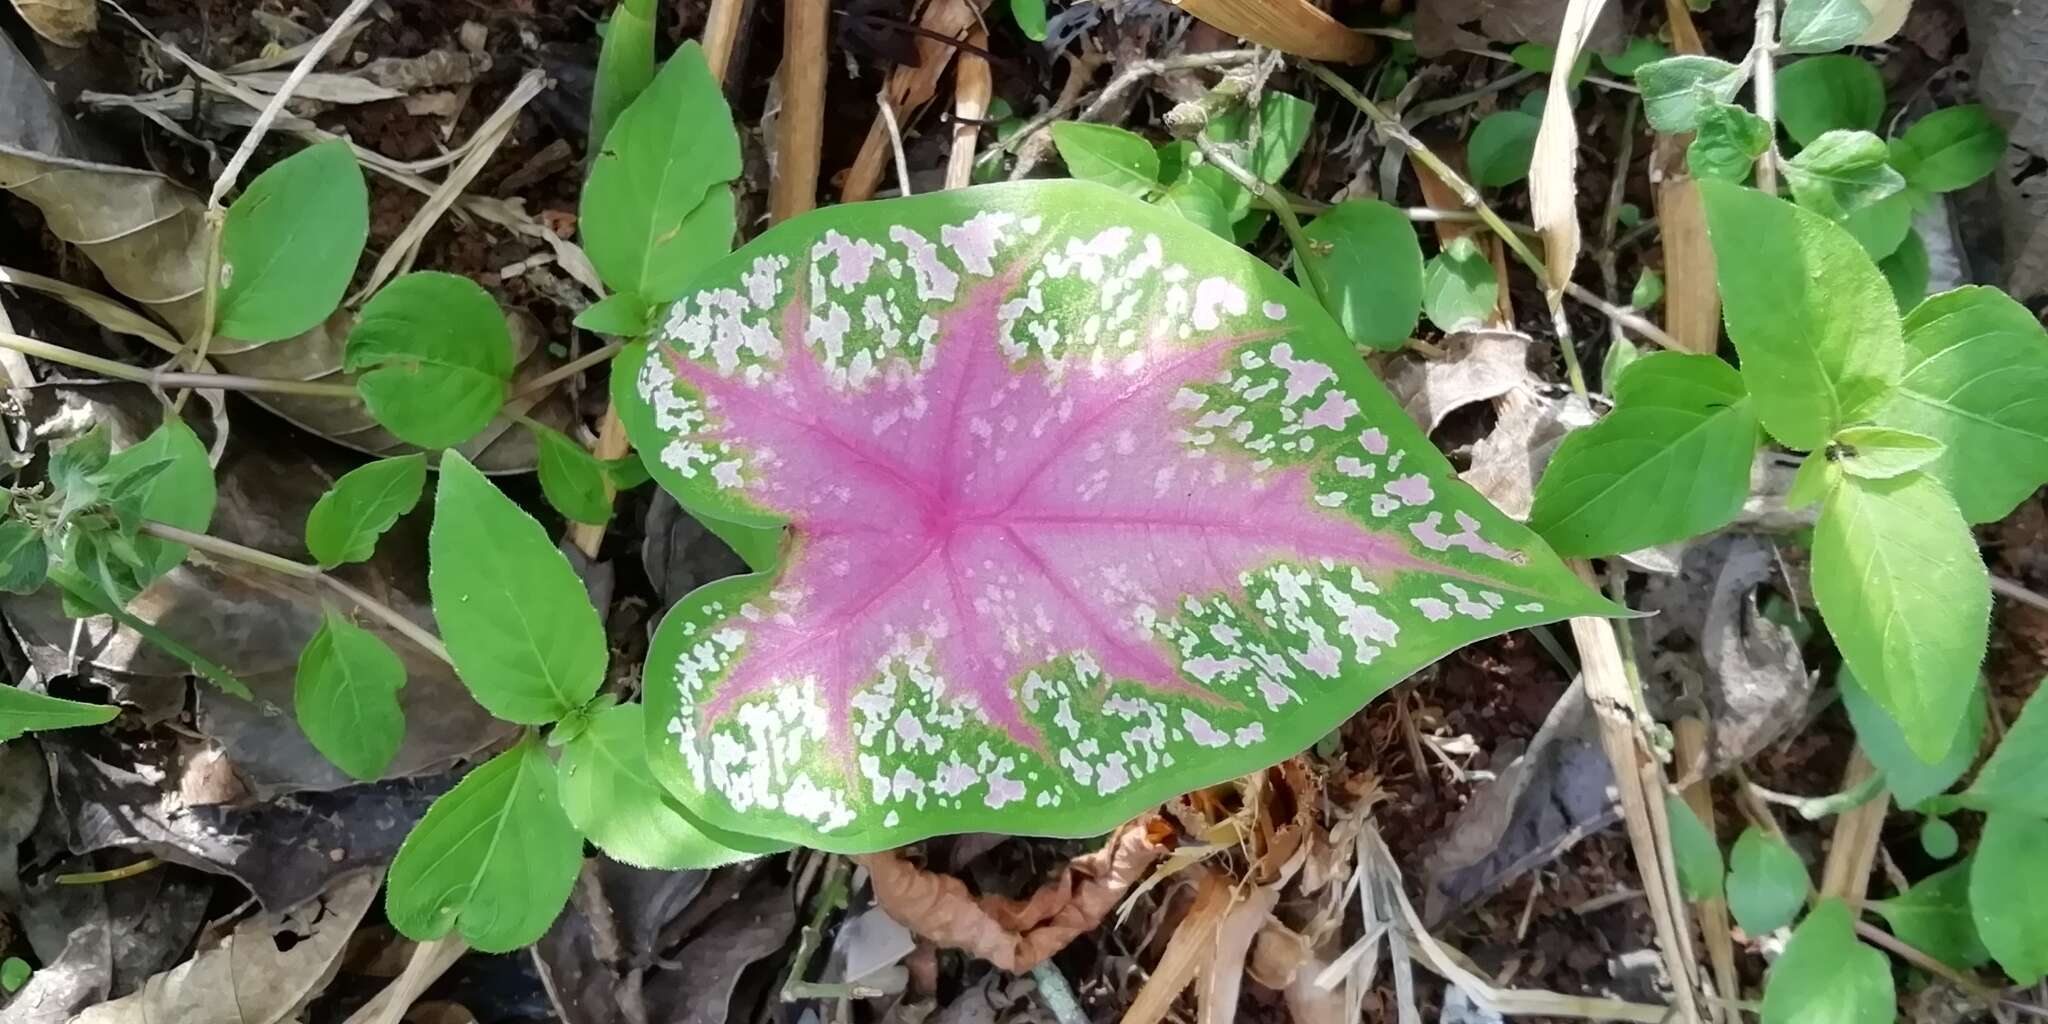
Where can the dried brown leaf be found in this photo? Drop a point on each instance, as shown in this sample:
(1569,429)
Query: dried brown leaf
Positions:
(1290,26)
(910,87)
(1554,167)
(64,22)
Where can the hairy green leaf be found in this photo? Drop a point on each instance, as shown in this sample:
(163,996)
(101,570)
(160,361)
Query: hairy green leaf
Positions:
(1906,270)
(1910,777)
(1671,461)
(572,479)
(1880,453)
(1817,26)
(24,558)
(1900,584)
(291,243)
(1728,141)
(1696,851)
(1827,977)
(346,698)
(1842,172)
(1933,916)
(347,520)
(1500,148)
(435,357)
(2015,777)
(1976,379)
(1882,225)
(180,493)
(1459,289)
(1767,883)
(1809,313)
(1951,148)
(656,209)
(1368,268)
(1818,95)
(610,794)
(2007,900)
(493,860)
(516,619)
(1675,89)
(1109,155)
(24,712)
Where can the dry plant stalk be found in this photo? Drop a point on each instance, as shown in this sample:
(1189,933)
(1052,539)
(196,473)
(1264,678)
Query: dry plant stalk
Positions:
(800,128)
(1014,935)
(1290,26)
(1690,734)
(1853,849)
(1193,940)
(721,33)
(910,87)
(1692,300)
(972,88)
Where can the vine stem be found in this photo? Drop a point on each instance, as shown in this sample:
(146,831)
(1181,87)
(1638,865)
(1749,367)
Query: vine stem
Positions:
(1281,207)
(165,379)
(377,609)
(569,369)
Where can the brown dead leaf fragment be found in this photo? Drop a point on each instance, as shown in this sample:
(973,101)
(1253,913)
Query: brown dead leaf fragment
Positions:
(64,22)
(1290,26)
(1015,935)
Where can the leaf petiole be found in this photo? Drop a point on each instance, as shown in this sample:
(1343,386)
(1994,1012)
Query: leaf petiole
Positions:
(166,380)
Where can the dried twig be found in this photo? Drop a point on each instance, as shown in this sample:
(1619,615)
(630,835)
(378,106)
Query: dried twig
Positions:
(972,88)
(800,127)
(1853,850)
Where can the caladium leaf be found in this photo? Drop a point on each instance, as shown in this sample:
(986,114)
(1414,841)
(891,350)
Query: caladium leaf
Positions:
(1087,508)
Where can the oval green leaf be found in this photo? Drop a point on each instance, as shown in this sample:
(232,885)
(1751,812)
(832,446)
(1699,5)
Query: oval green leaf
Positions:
(346,698)
(1817,26)
(2008,897)
(1951,148)
(1827,977)
(610,795)
(1501,146)
(1459,288)
(24,558)
(181,494)
(1767,883)
(1368,268)
(1880,453)
(1695,851)
(572,478)
(1934,917)
(1911,778)
(347,520)
(291,243)
(434,356)
(1821,94)
(1109,155)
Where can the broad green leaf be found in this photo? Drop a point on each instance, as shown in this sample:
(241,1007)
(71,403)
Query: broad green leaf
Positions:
(2007,900)
(1817,475)
(1695,850)
(516,619)
(1910,777)
(1728,142)
(14,973)
(1976,379)
(346,698)
(1905,595)
(1459,289)
(1933,916)
(24,558)
(1640,50)
(1030,17)
(625,65)
(24,712)
(1808,312)
(1880,453)
(1671,461)
(656,209)
(180,494)
(1197,529)
(434,356)
(347,520)
(1938,838)
(1842,172)
(1767,883)
(1196,202)
(1675,89)
(1906,270)
(1368,267)
(1107,154)
(1648,290)
(572,479)
(291,243)
(2015,776)
(493,860)
(1827,977)
(610,795)
(1882,225)
(1283,128)
(1817,26)
(1500,148)
(623,316)
(1951,148)
(1818,95)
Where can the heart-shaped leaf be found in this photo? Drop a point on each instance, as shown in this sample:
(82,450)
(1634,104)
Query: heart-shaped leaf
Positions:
(1088,508)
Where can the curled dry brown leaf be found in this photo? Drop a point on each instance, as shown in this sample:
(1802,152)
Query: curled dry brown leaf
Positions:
(64,22)
(1015,935)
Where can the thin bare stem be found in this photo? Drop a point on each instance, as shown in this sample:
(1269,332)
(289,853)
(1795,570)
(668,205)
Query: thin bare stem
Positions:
(1764,52)
(377,609)
(1878,936)
(569,369)
(1279,204)
(166,380)
(226,182)
(2010,589)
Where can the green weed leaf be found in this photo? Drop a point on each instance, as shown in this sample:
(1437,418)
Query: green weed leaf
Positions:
(1827,977)
(1880,453)
(1621,355)
(2007,900)
(1976,379)
(1950,149)
(572,479)
(625,65)
(1671,461)
(1807,310)
(291,243)
(2015,777)
(346,698)
(1934,917)
(1767,882)
(1817,26)
(180,492)
(1882,225)
(1910,777)
(1675,89)
(1107,154)
(1199,204)
(610,794)
(1728,142)
(1030,18)
(1822,94)
(1283,128)
(24,712)
(24,558)
(1501,146)
(14,973)
(493,860)
(1938,838)
(656,209)
(1900,584)
(1368,266)
(435,356)
(1640,50)
(1907,270)
(1696,851)
(347,520)
(625,315)
(1842,172)
(516,619)
(1459,289)
(1648,290)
